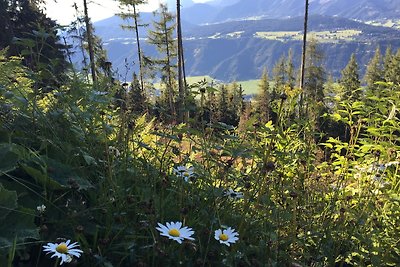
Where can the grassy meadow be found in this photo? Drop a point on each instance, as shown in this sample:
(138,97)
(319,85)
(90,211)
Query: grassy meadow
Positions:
(320,36)
(83,182)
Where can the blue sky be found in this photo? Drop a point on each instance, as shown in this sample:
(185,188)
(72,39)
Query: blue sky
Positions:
(63,12)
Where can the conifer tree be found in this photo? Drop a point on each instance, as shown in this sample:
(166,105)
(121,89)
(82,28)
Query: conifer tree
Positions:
(136,99)
(222,103)
(237,102)
(263,98)
(210,113)
(6,30)
(226,109)
(290,70)
(312,104)
(314,76)
(393,71)
(350,80)
(387,62)
(162,37)
(279,72)
(374,72)
(28,32)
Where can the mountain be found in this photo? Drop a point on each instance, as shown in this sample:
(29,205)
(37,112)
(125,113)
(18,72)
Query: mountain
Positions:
(239,50)
(235,39)
(355,9)
(200,13)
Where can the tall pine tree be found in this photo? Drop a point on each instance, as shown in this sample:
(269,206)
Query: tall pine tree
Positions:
(350,80)
(163,38)
(374,72)
(263,98)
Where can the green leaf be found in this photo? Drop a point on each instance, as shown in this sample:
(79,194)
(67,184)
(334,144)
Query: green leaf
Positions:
(8,157)
(89,159)
(41,177)
(16,224)
(8,201)
(336,117)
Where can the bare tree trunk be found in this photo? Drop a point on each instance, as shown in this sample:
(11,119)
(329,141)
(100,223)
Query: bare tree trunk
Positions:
(138,48)
(90,41)
(303,57)
(170,86)
(181,101)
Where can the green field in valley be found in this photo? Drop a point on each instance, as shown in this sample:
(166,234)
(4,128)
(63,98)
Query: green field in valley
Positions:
(320,36)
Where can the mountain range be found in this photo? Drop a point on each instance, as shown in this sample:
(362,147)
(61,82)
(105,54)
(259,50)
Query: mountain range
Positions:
(223,10)
(235,39)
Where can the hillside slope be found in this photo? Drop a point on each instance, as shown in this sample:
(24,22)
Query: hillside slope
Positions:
(240,50)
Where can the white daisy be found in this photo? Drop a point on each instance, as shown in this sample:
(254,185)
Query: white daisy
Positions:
(184,172)
(226,236)
(63,250)
(175,231)
(41,209)
(114,151)
(233,194)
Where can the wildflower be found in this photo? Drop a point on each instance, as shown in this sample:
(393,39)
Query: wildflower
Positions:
(114,151)
(41,209)
(233,194)
(226,236)
(175,231)
(184,172)
(63,250)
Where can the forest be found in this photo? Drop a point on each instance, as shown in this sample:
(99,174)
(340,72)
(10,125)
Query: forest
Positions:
(96,170)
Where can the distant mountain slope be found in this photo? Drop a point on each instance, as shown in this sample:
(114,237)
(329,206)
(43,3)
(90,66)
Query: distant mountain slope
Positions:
(316,23)
(354,9)
(241,49)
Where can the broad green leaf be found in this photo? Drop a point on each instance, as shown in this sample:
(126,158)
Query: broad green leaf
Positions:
(40,177)
(8,157)
(8,201)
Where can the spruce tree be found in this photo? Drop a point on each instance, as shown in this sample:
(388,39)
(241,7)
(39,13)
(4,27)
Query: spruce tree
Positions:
(279,72)
(237,102)
(226,106)
(136,99)
(222,104)
(314,76)
(387,63)
(6,29)
(29,33)
(350,80)
(312,104)
(163,38)
(263,98)
(290,70)
(393,71)
(374,72)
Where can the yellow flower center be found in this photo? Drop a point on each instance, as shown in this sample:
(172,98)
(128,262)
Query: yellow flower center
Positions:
(186,174)
(223,237)
(174,232)
(62,248)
